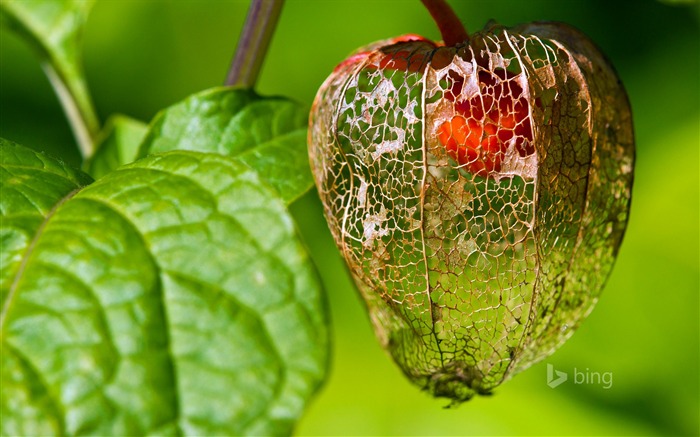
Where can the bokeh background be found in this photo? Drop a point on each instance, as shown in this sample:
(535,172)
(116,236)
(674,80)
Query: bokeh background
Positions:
(141,56)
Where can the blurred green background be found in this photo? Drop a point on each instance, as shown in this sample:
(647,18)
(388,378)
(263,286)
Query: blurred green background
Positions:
(141,56)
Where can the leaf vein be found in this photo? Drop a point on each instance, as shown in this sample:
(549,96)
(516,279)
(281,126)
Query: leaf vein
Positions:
(25,259)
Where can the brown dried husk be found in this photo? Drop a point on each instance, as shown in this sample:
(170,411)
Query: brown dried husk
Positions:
(469,279)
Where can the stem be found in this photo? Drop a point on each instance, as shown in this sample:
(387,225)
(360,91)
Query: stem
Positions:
(451,28)
(253,43)
(75,99)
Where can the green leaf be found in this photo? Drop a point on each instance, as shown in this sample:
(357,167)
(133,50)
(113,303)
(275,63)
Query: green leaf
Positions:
(118,145)
(24,205)
(172,296)
(269,134)
(54,28)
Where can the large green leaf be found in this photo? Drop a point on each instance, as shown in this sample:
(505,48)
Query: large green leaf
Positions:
(172,296)
(269,134)
(25,205)
(118,145)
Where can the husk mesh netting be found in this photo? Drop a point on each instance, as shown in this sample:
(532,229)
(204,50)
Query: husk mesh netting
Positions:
(478,193)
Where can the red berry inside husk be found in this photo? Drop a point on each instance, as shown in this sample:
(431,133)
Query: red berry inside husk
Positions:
(488,123)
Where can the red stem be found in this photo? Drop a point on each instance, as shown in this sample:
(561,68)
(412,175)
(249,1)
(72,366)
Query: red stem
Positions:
(451,28)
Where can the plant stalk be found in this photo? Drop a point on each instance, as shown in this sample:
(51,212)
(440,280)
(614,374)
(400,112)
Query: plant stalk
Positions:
(451,28)
(73,94)
(253,43)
